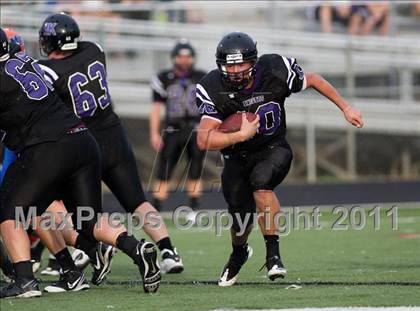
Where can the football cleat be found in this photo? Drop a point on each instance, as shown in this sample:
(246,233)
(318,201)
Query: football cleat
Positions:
(21,288)
(171,262)
(53,267)
(69,281)
(81,260)
(102,262)
(231,270)
(146,258)
(275,268)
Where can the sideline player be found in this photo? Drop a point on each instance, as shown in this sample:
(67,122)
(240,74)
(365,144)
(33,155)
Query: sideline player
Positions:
(174,89)
(258,157)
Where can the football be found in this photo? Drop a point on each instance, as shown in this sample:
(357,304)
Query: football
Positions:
(233,122)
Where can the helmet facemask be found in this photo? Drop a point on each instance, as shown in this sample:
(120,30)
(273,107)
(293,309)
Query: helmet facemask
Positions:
(237,80)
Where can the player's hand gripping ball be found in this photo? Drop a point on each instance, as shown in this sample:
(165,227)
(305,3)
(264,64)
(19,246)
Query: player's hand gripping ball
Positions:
(233,123)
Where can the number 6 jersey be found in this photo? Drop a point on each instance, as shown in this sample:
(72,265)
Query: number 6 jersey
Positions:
(30,110)
(276,77)
(81,82)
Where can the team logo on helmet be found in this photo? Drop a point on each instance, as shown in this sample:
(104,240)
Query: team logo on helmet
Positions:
(49,29)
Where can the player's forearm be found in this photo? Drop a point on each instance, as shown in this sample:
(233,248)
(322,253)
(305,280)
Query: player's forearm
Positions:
(155,120)
(216,140)
(325,88)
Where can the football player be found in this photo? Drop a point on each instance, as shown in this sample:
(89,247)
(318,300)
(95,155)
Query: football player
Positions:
(77,69)
(58,158)
(174,89)
(99,263)
(9,157)
(256,158)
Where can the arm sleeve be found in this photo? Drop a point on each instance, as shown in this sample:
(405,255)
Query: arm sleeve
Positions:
(159,93)
(206,107)
(292,75)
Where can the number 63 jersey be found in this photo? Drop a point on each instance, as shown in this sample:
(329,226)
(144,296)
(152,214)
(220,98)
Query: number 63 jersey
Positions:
(276,77)
(81,82)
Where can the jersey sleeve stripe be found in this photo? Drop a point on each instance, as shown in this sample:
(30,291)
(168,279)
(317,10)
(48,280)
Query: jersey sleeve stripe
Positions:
(286,63)
(202,96)
(51,73)
(157,86)
(202,91)
(290,73)
(291,61)
(212,117)
(99,46)
(204,100)
(48,78)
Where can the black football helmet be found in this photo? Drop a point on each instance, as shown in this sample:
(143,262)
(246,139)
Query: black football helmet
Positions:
(236,48)
(183,47)
(59,32)
(4,43)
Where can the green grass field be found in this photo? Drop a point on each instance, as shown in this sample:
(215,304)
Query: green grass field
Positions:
(335,268)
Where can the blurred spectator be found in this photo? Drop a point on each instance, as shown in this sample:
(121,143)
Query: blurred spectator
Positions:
(132,14)
(97,8)
(327,14)
(359,19)
(416,9)
(181,15)
(366,17)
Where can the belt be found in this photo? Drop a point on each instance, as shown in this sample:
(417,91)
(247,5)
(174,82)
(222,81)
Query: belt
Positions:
(243,154)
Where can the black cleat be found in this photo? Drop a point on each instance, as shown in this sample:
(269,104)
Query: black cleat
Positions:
(21,288)
(102,262)
(275,268)
(231,270)
(73,281)
(145,257)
